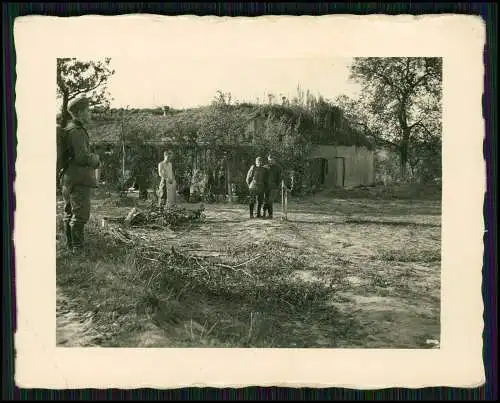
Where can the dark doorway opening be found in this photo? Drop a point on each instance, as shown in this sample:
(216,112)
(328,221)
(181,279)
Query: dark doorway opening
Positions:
(340,171)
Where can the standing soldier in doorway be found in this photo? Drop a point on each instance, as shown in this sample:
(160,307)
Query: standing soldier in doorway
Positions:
(221,183)
(275,176)
(78,173)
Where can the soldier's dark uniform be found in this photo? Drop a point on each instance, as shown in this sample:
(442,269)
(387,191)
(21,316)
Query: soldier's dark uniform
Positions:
(257,182)
(140,173)
(275,176)
(77,180)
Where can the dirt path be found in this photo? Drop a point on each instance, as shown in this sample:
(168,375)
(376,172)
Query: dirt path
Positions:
(73,329)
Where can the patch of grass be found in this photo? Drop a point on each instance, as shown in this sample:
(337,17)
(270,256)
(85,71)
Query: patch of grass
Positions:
(409,255)
(348,206)
(390,192)
(391,223)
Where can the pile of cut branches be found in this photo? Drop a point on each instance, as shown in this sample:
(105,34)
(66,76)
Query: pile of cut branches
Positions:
(156,217)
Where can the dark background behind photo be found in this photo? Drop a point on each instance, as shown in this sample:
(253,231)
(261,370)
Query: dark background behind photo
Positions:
(488,11)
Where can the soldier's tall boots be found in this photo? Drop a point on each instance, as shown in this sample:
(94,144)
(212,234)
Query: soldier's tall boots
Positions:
(259,208)
(251,206)
(264,209)
(77,235)
(67,232)
(270,210)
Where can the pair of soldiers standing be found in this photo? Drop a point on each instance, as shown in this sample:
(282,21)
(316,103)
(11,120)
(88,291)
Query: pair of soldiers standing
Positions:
(264,184)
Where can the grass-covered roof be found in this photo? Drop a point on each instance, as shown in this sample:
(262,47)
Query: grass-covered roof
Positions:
(317,126)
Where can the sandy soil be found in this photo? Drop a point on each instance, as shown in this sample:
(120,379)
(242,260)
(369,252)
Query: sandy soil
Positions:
(73,328)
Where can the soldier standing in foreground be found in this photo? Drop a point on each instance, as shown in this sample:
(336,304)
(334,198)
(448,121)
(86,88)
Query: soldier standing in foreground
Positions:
(78,173)
(275,176)
(257,182)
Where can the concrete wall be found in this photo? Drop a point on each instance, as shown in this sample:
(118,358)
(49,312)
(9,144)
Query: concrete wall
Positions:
(347,166)
(359,165)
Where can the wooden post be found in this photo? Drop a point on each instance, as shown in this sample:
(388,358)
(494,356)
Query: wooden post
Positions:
(286,203)
(123,144)
(284,200)
(230,161)
(228,180)
(123,150)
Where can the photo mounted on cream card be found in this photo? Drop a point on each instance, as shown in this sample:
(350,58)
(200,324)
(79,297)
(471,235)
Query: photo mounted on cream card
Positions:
(294,202)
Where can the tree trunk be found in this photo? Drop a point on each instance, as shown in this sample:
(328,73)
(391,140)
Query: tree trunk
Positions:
(405,139)
(123,151)
(412,172)
(403,154)
(229,176)
(64,121)
(65,116)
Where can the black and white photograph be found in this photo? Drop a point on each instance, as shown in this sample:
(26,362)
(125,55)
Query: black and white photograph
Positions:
(273,203)
(297,194)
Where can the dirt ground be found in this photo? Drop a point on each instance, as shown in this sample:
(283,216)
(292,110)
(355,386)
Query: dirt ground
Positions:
(375,265)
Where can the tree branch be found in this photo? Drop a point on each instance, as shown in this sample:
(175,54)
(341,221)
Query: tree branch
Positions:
(414,124)
(419,123)
(416,83)
(386,80)
(60,82)
(75,94)
(378,138)
(407,69)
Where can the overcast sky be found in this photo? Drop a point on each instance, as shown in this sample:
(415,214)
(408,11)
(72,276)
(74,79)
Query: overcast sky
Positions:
(183,83)
(143,82)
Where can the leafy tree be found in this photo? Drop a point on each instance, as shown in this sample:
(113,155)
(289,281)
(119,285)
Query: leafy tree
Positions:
(425,156)
(76,77)
(220,123)
(401,99)
(357,115)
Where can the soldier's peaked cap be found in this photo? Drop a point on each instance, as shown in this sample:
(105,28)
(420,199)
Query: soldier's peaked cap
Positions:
(78,104)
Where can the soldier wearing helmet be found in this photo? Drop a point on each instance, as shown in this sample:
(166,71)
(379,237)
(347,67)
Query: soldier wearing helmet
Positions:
(78,177)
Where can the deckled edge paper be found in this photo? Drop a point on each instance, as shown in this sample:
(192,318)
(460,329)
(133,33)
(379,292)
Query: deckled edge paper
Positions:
(459,39)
